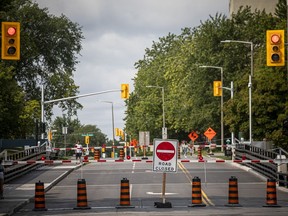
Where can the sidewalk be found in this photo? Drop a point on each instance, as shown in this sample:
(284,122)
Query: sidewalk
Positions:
(22,191)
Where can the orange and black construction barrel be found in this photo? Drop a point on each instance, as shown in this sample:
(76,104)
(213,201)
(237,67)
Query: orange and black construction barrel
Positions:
(96,154)
(179,152)
(233,200)
(82,195)
(125,194)
(200,153)
(271,195)
(196,193)
(121,154)
(39,199)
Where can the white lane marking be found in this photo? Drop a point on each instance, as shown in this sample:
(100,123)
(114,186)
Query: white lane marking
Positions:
(133,167)
(153,193)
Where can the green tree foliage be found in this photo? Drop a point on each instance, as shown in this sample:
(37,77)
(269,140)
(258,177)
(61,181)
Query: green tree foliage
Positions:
(75,132)
(11,104)
(173,63)
(49,49)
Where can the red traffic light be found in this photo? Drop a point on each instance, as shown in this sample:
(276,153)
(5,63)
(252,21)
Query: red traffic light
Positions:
(275,49)
(275,38)
(10,49)
(11,31)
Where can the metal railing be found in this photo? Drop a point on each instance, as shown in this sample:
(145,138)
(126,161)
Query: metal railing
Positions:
(17,170)
(277,171)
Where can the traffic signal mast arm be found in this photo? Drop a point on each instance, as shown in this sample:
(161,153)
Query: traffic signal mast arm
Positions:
(68,98)
(79,96)
(231,89)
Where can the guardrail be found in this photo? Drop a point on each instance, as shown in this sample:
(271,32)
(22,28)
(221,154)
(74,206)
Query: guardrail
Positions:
(270,170)
(16,170)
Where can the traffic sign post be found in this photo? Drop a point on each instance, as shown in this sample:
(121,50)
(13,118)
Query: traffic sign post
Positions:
(164,160)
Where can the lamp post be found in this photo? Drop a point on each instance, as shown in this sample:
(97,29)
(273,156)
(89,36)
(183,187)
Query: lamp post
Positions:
(249,83)
(164,129)
(113,127)
(222,116)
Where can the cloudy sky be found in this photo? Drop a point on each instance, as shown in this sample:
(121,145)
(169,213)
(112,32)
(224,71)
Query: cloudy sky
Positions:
(116,34)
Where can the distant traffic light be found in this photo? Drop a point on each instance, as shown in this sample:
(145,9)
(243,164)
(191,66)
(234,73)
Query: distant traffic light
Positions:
(217,88)
(275,48)
(50,135)
(117,131)
(87,140)
(124,91)
(121,133)
(10,41)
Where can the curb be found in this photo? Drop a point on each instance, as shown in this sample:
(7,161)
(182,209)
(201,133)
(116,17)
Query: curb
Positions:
(29,200)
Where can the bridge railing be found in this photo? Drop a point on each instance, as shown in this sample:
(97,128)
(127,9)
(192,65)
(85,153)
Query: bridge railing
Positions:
(277,171)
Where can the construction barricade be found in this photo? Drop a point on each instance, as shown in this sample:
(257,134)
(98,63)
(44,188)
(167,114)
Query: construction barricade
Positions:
(39,200)
(121,154)
(196,193)
(233,200)
(96,154)
(271,194)
(82,195)
(124,194)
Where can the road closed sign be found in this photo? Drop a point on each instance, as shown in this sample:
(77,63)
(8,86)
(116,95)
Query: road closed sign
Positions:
(165,155)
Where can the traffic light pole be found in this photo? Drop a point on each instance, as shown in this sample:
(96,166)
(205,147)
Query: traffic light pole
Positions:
(67,98)
(249,83)
(222,114)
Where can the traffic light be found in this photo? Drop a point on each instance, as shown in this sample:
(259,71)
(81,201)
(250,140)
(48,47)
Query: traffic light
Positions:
(121,133)
(117,131)
(275,48)
(124,91)
(50,135)
(10,41)
(87,140)
(217,88)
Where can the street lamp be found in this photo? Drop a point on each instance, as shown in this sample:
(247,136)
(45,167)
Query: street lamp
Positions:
(249,83)
(164,129)
(222,116)
(113,127)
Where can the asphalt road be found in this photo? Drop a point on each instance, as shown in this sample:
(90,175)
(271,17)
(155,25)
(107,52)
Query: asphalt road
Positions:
(103,191)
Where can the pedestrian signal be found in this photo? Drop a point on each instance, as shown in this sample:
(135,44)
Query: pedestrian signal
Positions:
(217,88)
(10,49)
(275,48)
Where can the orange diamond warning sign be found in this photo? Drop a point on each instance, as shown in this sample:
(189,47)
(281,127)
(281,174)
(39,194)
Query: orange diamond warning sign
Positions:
(193,136)
(210,133)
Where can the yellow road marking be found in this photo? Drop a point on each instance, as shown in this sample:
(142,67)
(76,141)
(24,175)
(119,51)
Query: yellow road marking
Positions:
(206,199)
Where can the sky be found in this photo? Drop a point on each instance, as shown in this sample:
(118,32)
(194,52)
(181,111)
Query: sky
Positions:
(117,32)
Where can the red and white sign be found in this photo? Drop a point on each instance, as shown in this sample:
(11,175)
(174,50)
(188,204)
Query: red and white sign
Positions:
(165,155)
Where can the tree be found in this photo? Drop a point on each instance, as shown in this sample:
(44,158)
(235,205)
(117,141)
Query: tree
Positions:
(76,132)
(48,57)
(11,104)
(173,63)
